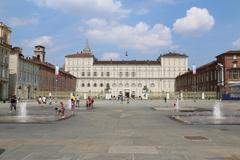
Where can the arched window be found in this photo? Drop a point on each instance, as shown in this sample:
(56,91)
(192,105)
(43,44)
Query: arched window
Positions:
(120,85)
(152,85)
(126,74)
(88,84)
(95,84)
(101,85)
(133,85)
(127,85)
(114,85)
(139,84)
(83,85)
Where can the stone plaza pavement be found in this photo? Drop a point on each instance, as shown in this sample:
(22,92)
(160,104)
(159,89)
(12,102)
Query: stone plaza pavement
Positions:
(115,131)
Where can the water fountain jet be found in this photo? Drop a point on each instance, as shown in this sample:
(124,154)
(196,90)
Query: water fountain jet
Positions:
(23,109)
(217,113)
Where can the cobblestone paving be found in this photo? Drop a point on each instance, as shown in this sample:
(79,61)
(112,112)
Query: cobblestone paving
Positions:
(114,131)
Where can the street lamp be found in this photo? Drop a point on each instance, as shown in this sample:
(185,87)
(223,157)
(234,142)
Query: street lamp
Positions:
(220,79)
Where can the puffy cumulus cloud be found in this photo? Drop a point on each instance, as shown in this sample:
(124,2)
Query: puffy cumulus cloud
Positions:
(141,36)
(196,22)
(237,43)
(15,21)
(86,7)
(43,40)
(110,56)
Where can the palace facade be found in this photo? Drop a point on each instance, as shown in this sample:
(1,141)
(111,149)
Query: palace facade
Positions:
(131,78)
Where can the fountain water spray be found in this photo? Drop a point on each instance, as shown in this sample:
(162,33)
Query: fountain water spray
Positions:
(177,105)
(23,109)
(217,113)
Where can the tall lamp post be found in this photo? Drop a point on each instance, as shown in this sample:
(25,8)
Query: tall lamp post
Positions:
(57,77)
(220,79)
(194,82)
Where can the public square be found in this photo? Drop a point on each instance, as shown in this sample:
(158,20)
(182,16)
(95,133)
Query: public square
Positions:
(115,131)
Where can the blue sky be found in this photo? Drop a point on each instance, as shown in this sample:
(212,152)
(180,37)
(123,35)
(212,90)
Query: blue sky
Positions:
(201,29)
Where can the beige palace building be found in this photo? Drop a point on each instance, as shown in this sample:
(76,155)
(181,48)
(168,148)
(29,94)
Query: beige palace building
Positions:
(127,77)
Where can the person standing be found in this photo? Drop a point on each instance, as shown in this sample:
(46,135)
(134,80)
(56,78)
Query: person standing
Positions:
(50,100)
(61,111)
(78,101)
(44,100)
(13,103)
(73,106)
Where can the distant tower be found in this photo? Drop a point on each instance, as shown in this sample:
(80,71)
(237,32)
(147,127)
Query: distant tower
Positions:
(5,34)
(87,48)
(39,53)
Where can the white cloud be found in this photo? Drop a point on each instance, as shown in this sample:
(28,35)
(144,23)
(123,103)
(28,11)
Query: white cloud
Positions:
(96,22)
(43,40)
(86,7)
(15,21)
(142,12)
(196,22)
(111,56)
(141,36)
(237,43)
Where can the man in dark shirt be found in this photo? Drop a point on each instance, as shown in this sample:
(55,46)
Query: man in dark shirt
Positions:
(13,103)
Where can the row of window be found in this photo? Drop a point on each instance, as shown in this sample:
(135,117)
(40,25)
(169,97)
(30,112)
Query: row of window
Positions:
(95,74)
(234,74)
(26,77)
(115,85)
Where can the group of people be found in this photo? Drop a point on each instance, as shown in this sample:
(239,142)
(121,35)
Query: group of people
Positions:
(72,104)
(89,103)
(43,100)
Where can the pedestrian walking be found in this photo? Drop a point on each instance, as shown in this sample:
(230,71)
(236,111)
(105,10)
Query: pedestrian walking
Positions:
(73,106)
(44,100)
(50,100)
(39,100)
(61,110)
(78,101)
(13,103)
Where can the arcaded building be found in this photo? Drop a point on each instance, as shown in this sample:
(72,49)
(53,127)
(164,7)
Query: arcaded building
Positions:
(33,76)
(130,78)
(221,75)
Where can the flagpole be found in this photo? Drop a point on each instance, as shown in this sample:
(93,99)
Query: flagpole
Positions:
(194,82)
(56,77)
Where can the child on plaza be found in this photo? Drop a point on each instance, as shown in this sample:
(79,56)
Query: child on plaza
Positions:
(61,110)
(73,105)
